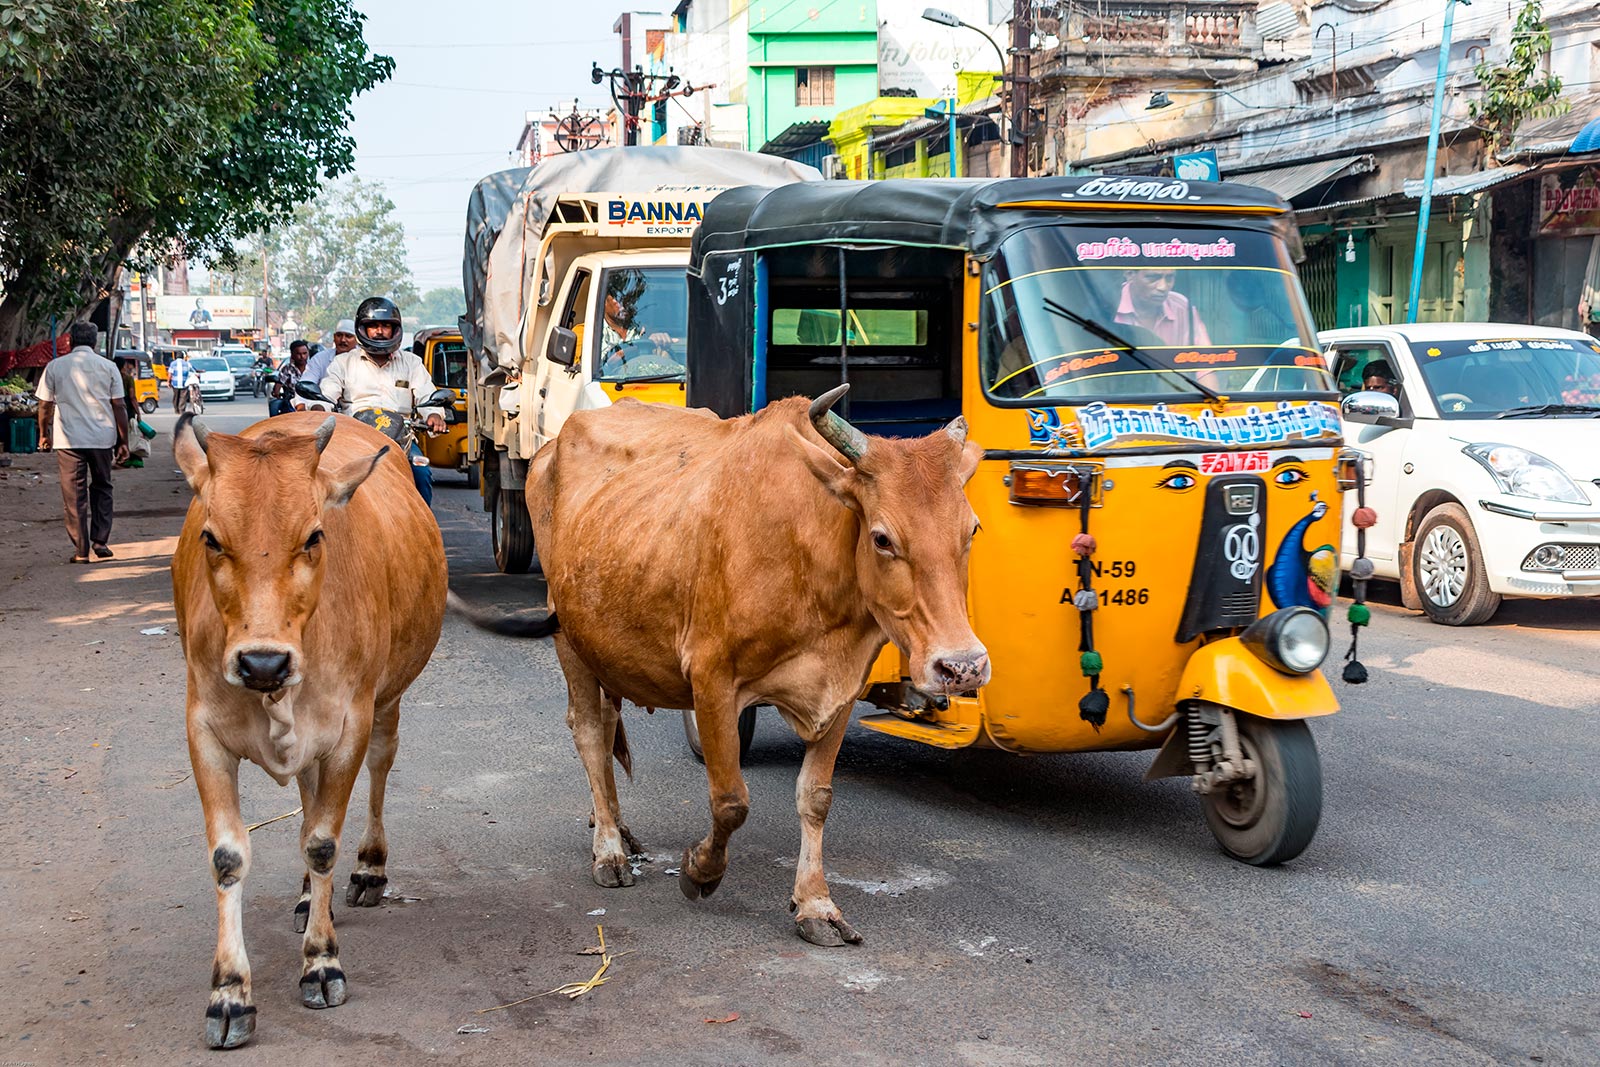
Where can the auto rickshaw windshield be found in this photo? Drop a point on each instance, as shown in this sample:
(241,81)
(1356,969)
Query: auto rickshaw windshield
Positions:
(1082,312)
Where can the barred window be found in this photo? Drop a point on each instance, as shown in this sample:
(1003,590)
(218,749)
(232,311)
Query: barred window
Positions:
(813,87)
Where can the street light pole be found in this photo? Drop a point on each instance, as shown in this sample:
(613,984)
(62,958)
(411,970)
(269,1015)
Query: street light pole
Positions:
(1433,159)
(945,18)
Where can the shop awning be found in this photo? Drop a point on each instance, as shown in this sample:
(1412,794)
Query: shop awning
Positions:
(1290,182)
(1465,184)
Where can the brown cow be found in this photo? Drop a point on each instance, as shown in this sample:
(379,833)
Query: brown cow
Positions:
(306,609)
(720,564)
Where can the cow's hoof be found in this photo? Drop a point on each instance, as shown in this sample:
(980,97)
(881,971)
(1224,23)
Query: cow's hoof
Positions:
(692,887)
(365,890)
(323,987)
(613,874)
(229,1024)
(827,933)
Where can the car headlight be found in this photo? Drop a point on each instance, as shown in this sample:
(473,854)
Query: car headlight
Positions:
(1519,472)
(1294,640)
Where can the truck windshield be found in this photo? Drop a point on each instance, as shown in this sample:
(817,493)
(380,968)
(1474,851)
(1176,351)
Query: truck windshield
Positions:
(1077,313)
(645,324)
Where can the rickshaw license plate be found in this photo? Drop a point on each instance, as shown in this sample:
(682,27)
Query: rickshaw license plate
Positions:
(1241,499)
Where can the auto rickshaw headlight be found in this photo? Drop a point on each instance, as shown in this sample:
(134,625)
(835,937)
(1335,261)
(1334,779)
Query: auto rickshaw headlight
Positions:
(1294,640)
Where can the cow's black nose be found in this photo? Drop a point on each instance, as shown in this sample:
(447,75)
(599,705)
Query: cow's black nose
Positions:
(263,670)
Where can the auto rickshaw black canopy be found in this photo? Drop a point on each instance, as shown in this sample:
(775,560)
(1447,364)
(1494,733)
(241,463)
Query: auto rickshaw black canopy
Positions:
(971,216)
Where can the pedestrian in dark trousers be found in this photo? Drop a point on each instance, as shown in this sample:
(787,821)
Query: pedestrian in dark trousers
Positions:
(83,418)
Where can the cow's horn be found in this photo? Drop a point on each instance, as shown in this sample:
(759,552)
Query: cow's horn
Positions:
(958,430)
(325,433)
(200,432)
(851,442)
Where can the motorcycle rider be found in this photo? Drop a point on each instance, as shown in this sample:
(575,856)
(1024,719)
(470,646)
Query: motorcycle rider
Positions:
(379,376)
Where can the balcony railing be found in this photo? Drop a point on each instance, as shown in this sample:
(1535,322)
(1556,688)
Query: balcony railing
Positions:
(1220,28)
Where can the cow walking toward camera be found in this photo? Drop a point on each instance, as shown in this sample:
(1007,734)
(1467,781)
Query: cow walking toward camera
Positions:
(713,565)
(309,583)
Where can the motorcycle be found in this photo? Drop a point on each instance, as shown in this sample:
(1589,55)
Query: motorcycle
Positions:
(400,427)
(262,379)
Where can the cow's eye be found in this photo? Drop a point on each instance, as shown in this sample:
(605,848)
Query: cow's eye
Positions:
(314,540)
(882,542)
(210,541)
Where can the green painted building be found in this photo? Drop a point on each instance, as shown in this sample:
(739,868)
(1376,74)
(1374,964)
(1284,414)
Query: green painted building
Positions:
(807,63)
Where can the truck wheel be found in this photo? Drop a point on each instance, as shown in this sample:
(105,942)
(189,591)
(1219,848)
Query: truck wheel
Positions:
(1447,567)
(747,733)
(149,406)
(1272,817)
(512,532)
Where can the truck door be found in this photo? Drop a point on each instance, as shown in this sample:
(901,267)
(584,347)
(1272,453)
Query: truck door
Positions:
(559,386)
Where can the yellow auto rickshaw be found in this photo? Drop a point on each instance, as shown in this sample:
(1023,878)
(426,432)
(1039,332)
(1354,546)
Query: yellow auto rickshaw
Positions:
(1160,495)
(443,353)
(146,387)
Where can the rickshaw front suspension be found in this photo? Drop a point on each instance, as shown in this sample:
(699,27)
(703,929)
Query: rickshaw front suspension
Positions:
(1214,733)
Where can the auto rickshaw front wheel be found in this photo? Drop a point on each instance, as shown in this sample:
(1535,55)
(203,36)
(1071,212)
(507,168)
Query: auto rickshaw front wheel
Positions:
(1271,817)
(148,406)
(747,733)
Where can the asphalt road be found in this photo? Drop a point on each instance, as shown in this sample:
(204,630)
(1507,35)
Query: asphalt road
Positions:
(1017,911)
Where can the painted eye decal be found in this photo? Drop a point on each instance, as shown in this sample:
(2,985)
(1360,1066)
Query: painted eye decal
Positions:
(1179,481)
(1288,477)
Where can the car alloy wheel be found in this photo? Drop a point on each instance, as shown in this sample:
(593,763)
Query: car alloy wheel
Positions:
(1443,565)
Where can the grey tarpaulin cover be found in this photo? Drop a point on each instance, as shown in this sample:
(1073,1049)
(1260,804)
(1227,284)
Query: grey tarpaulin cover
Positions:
(487,208)
(499,284)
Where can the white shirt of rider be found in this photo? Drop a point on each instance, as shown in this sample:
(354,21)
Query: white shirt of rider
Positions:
(402,384)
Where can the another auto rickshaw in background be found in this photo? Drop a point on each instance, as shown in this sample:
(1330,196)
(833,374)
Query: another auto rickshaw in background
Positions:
(442,351)
(1160,498)
(160,356)
(146,386)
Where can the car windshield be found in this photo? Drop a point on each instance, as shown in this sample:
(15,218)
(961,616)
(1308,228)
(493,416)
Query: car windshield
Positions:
(1079,313)
(645,326)
(208,363)
(241,360)
(1492,376)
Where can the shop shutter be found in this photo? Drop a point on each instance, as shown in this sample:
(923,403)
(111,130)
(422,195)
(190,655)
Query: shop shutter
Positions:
(1317,276)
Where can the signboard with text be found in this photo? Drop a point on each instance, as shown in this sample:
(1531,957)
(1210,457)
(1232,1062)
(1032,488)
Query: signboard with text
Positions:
(205,312)
(921,58)
(1569,202)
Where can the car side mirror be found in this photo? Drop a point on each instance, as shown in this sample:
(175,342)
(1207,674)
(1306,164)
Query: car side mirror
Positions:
(310,392)
(1369,405)
(562,347)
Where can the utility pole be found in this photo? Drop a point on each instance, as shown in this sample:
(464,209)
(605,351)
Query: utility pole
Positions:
(1021,119)
(632,89)
(1433,159)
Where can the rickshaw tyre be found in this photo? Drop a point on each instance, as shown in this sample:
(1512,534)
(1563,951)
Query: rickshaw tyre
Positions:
(1477,603)
(474,479)
(511,531)
(148,407)
(1286,758)
(747,734)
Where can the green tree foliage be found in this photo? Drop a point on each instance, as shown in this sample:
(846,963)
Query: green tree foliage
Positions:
(132,129)
(436,307)
(1518,89)
(338,250)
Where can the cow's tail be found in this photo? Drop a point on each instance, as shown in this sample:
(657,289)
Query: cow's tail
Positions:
(526,625)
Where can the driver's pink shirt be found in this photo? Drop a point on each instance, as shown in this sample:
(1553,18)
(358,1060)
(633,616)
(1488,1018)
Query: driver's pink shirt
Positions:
(1179,324)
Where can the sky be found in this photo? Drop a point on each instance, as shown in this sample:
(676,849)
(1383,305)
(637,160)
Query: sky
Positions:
(466,72)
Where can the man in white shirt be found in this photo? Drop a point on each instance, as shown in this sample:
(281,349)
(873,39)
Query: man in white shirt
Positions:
(344,340)
(179,376)
(82,417)
(380,376)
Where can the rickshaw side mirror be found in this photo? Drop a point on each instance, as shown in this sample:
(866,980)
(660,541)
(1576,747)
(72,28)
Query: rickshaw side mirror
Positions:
(310,392)
(563,347)
(442,398)
(1370,406)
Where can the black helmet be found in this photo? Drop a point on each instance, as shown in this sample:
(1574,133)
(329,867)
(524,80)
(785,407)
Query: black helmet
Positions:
(376,309)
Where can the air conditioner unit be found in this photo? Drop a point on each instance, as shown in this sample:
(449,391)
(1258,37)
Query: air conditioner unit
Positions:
(832,168)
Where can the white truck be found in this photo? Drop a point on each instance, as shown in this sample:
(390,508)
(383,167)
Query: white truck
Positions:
(576,297)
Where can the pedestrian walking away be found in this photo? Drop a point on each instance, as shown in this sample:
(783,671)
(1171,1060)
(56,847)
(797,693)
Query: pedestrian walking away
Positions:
(82,417)
(179,375)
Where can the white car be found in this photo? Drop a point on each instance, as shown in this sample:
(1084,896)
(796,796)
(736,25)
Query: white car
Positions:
(1484,468)
(216,377)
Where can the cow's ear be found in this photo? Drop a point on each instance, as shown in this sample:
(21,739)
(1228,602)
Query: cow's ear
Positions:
(343,483)
(967,463)
(838,478)
(188,448)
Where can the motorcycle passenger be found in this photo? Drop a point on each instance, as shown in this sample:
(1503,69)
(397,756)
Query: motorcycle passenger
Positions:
(379,376)
(283,399)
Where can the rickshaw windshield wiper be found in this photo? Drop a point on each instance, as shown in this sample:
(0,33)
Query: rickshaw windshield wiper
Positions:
(1106,334)
(1549,409)
(644,378)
